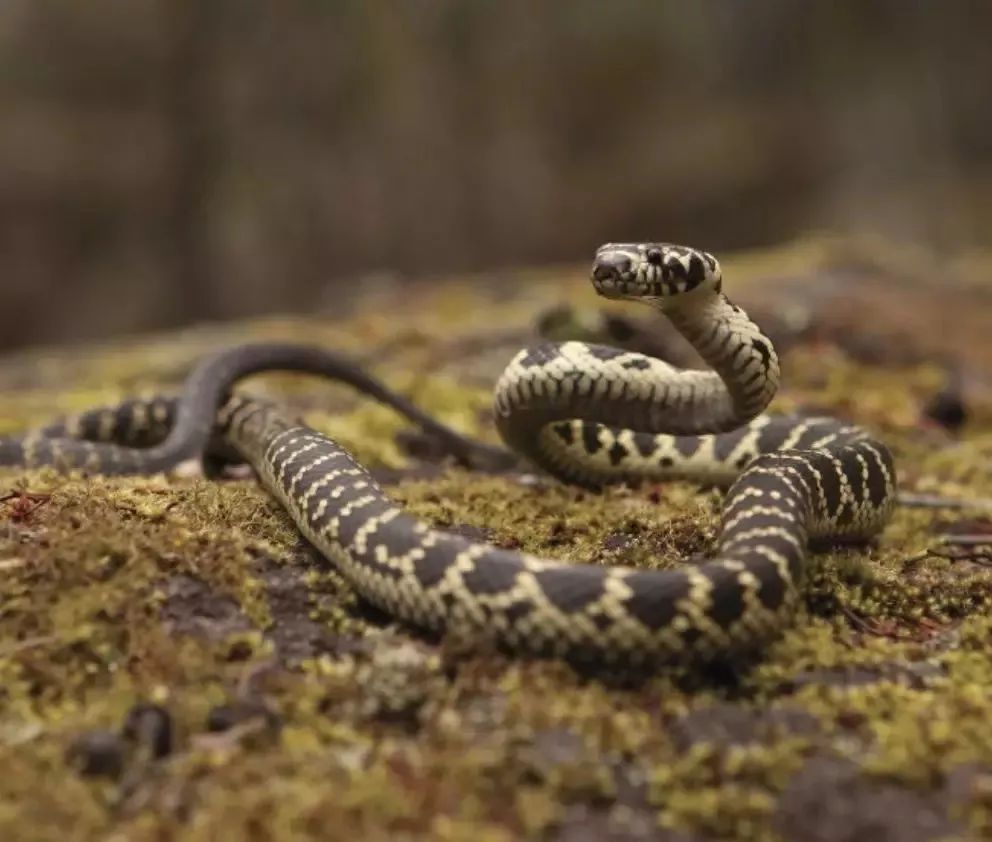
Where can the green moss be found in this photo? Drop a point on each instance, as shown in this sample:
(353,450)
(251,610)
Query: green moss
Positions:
(195,594)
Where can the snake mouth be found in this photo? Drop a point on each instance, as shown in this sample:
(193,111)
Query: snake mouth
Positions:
(611,287)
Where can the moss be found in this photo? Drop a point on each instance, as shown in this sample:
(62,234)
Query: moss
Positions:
(199,595)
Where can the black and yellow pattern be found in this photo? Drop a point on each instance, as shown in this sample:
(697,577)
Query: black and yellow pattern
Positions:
(586,413)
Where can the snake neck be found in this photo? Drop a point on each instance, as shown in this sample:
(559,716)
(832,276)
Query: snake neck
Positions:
(745,368)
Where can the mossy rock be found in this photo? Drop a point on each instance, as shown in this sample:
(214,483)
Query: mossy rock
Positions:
(298,713)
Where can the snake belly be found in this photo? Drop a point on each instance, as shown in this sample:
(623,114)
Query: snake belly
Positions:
(586,414)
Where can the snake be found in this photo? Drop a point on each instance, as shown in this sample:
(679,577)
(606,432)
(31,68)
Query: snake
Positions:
(586,414)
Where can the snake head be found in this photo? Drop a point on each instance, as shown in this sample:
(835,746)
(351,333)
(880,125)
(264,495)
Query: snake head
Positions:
(655,272)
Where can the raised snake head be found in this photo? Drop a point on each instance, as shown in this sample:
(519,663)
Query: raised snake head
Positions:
(659,273)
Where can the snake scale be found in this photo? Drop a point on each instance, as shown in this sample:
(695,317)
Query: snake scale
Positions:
(587,414)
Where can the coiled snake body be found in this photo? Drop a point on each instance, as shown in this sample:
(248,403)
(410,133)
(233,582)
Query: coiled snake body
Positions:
(585,413)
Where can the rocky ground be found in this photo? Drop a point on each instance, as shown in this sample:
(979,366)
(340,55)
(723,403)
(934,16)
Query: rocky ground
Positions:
(175,662)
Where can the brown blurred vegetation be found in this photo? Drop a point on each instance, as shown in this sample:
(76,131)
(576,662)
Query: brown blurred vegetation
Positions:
(163,161)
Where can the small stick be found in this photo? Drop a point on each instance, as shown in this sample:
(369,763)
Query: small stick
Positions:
(981,557)
(967,540)
(18,646)
(868,626)
(933,501)
(33,496)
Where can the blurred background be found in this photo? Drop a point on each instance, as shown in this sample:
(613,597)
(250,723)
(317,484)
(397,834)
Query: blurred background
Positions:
(169,161)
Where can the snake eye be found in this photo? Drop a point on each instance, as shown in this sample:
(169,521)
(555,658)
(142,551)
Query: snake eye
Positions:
(654,257)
